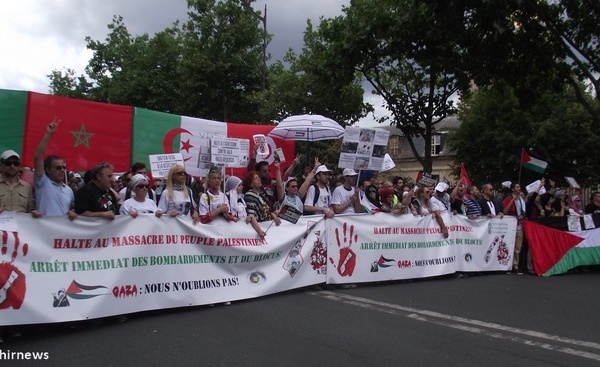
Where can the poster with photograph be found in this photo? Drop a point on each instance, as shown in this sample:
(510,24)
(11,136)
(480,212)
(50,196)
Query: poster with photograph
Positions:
(363,148)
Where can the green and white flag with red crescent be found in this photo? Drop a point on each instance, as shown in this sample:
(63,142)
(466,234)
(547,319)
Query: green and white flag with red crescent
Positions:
(158,133)
(533,163)
(556,252)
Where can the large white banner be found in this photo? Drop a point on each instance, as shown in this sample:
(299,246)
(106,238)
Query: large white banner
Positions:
(55,270)
(381,246)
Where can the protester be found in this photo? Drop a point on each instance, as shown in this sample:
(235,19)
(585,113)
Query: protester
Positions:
(177,198)
(294,194)
(257,207)
(126,192)
(268,185)
(15,194)
(420,201)
(440,204)
(139,203)
(213,202)
(318,196)
(575,206)
(345,198)
(52,195)
(233,190)
(490,207)
(97,199)
(594,206)
(472,205)
(515,206)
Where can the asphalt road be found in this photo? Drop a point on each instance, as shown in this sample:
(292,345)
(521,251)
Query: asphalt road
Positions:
(483,320)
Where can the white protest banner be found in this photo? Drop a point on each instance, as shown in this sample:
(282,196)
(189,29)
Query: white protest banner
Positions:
(60,270)
(160,164)
(230,152)
(381,246)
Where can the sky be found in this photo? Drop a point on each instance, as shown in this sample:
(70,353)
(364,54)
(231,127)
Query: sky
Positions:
(38,36)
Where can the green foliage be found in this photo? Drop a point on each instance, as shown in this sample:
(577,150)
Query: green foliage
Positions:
(410,55)
(495,126)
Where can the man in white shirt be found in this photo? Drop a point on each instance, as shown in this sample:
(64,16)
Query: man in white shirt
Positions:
(319,201)
(439,204)
(345,198)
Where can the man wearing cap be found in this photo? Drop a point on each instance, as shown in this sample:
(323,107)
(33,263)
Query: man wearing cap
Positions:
(439,204)
(15,194)
(53,197)
(345,197)
(318,197)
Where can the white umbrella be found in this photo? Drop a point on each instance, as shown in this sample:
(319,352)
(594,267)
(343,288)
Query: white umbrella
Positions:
(307,128)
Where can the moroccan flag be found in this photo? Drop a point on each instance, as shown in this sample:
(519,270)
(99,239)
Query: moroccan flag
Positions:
(13,105)
(160,133)
(556,252)
(89,132)
(532,163)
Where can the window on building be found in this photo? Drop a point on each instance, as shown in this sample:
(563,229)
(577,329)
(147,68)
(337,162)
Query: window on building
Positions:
(394,146)
(436,145)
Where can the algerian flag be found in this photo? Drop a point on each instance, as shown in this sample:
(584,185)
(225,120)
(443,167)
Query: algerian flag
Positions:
(158,133)
(532,163)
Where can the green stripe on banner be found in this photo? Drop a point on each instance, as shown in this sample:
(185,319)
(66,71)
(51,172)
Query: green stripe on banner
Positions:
(13,106)
(153,133)
(577,256)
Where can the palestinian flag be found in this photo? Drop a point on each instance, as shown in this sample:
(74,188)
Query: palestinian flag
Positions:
(555,252)
(383,262)
(532,163)
(80,291)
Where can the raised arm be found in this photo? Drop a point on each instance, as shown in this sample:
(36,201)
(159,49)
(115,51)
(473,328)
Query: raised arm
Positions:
(309,179)
(38,155)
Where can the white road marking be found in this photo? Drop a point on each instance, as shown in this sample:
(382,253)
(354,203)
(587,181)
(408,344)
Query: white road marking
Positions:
(470,325)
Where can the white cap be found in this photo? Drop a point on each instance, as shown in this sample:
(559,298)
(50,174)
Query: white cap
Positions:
(322,168)
(349,172)
(442,186)
(9,153)
(506,184)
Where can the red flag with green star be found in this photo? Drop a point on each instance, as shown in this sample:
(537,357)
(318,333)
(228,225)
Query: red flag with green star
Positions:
(89,132)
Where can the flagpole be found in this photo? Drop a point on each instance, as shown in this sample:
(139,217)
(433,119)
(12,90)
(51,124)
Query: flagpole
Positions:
(521,165)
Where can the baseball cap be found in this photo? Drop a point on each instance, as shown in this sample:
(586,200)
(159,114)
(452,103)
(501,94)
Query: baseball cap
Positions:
(349,172)
(9,153)
(322,168)
(442,186)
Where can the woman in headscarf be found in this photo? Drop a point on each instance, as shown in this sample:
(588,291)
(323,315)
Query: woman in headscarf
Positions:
(139,203)
(233,191)
(177,198)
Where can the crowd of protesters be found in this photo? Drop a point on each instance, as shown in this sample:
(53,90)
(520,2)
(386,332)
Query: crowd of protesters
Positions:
(258,197)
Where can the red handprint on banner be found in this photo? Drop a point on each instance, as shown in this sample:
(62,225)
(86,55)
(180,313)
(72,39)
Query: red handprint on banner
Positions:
(12,280)
(347,261)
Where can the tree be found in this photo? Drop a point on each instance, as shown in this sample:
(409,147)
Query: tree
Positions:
(495,127)
(208,67)
(409,54)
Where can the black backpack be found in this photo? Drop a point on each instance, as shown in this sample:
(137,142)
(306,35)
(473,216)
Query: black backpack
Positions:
(316,198)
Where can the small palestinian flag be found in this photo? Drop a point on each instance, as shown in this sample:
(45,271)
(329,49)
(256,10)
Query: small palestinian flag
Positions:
(80,291)
(532,163)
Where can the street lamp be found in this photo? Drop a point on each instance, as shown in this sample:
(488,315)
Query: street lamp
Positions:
(263,19)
